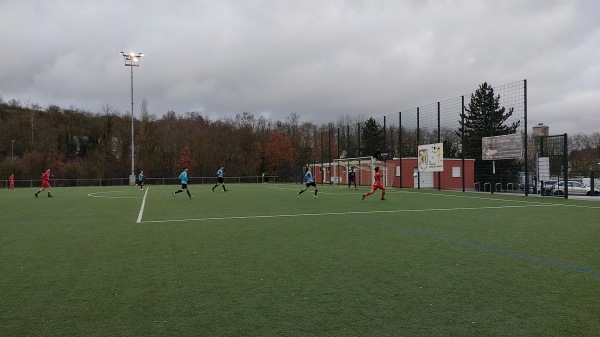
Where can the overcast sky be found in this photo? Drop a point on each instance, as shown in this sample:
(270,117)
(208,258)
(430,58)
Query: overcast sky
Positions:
(321,59)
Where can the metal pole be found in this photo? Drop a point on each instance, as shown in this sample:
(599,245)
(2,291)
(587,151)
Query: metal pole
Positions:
(526,159)
(418,136)
(132,60)
(12,149)
(439,174)
(384,135)
(566,165)
(322,172)
(462,141)
(338,142)
(132,177)
(348,140)
(358,150)
(400,149)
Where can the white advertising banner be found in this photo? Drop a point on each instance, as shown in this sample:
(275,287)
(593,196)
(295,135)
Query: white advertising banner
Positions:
(431,157)
(502,147)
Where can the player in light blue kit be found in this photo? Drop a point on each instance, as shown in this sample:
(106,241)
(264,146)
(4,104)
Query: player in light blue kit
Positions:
(308,179)
(183,177)
(141,180)
(220,180)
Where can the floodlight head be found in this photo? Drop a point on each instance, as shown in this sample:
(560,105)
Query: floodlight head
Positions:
(121,53)
(141,55)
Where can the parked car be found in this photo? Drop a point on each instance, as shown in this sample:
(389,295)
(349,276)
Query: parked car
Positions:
(575,188)
(547,188)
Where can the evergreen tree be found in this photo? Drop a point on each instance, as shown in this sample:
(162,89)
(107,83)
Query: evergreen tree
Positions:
(484,118)
(372,137)
(450,150)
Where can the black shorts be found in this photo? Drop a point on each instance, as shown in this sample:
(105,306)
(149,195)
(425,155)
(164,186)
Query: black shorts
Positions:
(140,182)
(183,186)
(312,183)
(220,179)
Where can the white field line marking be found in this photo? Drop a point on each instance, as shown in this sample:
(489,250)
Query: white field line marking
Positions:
(344,213)
(139,219)
(339,192)
(547,202)
(93,195)
(393,190)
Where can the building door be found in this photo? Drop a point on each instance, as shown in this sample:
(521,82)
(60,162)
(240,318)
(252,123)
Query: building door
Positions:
(426,179)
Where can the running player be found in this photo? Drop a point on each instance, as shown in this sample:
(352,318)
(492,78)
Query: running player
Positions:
(220,180)
(308,179)
(45,184)
(183,177)
(11,182)
(376,185)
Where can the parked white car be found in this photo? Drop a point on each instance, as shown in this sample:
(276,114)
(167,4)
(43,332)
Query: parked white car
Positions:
(575,188)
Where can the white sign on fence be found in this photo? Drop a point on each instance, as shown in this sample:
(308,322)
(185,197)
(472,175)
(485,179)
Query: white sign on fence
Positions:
(502,147)
(431,157)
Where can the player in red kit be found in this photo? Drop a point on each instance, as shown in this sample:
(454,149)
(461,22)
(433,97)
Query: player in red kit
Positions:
(45,183)
(11,182)
(376,185)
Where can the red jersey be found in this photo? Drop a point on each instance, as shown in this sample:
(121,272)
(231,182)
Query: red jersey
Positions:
(377,178)
(11,180)
(46,180)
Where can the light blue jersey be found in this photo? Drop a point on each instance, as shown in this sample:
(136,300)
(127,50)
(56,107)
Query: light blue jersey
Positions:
(220,173)
(141,176)
(183,177)
(308,177)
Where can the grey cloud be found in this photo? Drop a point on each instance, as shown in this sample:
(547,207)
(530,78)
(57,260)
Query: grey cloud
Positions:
(319,59)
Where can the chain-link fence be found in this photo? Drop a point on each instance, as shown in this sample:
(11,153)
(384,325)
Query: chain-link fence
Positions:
(459,124)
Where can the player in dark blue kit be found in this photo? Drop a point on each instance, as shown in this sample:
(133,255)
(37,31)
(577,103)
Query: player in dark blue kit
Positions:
(308,179)
(352,178)
(220,180)
(183,177)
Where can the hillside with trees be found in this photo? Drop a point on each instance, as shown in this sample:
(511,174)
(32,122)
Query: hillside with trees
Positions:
(78,144)
(84,145)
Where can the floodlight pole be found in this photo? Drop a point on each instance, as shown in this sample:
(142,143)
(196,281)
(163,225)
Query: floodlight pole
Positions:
(12,149)
(132,60)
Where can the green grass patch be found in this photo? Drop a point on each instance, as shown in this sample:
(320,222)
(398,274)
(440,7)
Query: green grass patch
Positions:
(258,261)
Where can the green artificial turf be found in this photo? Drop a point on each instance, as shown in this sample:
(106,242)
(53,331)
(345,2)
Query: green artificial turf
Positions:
(258,261)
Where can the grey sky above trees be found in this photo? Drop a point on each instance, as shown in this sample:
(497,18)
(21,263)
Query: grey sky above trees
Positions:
(320,59)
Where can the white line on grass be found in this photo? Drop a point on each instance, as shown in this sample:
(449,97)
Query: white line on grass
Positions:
(393,190)
(139,219)
(546,202)
(93,195)
(342,213)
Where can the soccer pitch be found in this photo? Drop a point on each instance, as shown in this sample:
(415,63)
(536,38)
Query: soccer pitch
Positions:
(258,261)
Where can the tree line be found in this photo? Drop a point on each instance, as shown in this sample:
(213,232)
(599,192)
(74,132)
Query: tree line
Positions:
(77,144)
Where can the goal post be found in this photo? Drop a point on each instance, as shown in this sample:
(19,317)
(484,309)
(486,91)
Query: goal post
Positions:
(341,166)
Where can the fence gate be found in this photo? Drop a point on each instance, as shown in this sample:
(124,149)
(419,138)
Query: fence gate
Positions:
(556,149)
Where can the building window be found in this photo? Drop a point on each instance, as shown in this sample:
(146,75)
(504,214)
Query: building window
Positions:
(456,172)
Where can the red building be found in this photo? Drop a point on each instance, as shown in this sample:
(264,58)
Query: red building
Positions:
(400,173)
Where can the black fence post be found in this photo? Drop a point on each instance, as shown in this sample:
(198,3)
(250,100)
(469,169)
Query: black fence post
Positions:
(400,149)
(439,139)
(525,126)
(418,141)
(462,141)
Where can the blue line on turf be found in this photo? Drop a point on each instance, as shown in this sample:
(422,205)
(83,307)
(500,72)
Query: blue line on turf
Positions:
(477,245)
